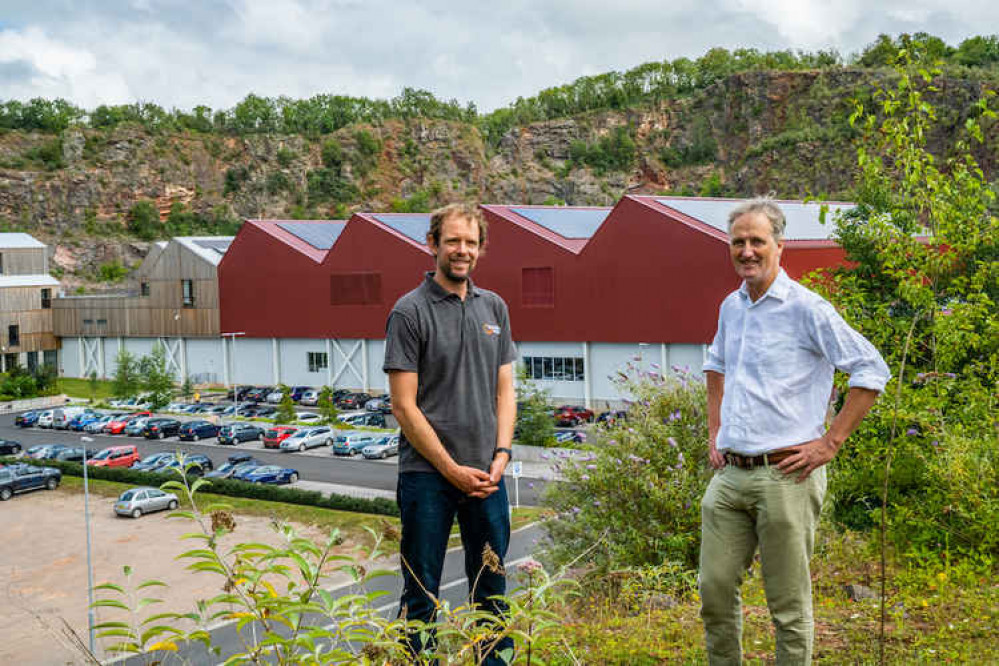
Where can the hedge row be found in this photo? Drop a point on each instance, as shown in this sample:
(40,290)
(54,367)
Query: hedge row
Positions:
(227,487)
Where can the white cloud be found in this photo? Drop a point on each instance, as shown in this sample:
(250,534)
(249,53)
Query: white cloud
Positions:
(805,24)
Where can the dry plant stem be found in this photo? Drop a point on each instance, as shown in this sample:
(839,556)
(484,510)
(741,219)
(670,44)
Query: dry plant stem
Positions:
(884,493)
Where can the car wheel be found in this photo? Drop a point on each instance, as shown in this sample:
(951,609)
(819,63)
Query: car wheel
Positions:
(195,437)
(5,494)
(172,505)
(51,484)
(301,447)
(136,512)
(161,435)
(293,478)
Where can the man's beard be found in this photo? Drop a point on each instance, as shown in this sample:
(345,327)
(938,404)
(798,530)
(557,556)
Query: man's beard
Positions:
(446,269)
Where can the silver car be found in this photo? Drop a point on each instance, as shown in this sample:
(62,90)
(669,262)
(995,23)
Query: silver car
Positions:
(383,448)
(135,426)
(137,501)
(308,438)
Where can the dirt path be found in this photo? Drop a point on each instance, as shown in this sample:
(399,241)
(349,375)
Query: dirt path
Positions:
(43,580)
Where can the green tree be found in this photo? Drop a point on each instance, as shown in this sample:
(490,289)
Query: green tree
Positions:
(535,426)
(92,385)
(187,388)
(125,383)
(286,408)
(157,380)
(327,409)
(144,220)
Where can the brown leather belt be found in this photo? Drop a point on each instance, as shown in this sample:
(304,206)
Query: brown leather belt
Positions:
(763,460)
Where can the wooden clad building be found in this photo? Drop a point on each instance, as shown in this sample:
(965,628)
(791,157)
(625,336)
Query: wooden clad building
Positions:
(26,293)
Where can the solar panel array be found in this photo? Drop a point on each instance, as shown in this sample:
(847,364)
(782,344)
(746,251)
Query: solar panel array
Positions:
(566,222)
(413,226)
(218,245)
(320,235)
(803,221)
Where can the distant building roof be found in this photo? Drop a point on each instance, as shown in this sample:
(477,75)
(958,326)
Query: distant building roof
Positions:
(38,280)
(803,221)
(209,248)
(566,222)
(413,226)
(19,240)
(320,235)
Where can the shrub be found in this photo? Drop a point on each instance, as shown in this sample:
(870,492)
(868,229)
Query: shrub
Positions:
(535,426)
(112,271)
(635,499)
(144,220)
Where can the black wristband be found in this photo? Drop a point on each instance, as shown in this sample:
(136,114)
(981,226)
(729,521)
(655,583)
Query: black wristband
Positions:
(503,449)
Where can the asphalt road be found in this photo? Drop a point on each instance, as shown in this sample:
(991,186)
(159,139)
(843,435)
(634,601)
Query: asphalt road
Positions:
(317,464)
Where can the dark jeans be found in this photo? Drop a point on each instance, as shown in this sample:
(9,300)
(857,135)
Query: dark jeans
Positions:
(427,506)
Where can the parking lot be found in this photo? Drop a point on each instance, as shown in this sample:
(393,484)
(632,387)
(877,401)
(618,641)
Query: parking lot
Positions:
(43,568)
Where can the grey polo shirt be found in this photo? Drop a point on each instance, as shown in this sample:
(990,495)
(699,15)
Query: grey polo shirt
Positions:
(456,347)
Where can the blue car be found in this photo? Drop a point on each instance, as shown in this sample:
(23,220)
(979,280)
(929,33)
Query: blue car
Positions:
(267,474)
(80,422)
(27,419)
(195,430)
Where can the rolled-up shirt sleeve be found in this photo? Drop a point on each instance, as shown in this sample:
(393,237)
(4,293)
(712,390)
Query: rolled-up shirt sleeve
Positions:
(715,361)
(847,350)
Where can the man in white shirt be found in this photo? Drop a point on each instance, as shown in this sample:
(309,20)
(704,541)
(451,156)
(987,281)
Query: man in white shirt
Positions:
(770,376)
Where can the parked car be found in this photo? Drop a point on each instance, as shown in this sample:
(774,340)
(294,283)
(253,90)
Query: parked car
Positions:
(136,426)
(160,427)
(136,501)
(265,412)
(274,397)
(75,454)
(381,404)
(572,415)
(234,433)
(257,393)
(274,436)
(307,438)
(174,407)
(20,478)
(309,397)
(352,400)
(153,462)
(117,426)
(80,421)
(27,419)
(233,465)
(62,416)
(195,465)
(382,448)
(569,437)
(298,391)
(267,474)
(97,425)
(45,418)
(370,419)
(115,456)
(44,451)
(9,447)
(195,430)
(307,416)
(350,442)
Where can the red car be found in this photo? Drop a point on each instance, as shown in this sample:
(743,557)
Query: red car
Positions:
(274,436)
(572,415)
(117,426)
(115,456)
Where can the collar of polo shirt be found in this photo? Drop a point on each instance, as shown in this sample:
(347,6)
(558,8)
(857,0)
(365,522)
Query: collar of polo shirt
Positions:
(439,293)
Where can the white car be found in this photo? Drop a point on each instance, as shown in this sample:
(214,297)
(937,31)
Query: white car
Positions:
(308,438)
(46,418)
(307,416)
(274,397)
(310,397)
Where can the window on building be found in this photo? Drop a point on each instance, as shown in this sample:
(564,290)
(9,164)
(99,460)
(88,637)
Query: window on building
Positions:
(355,288)
(50,358)
(537,287)
(46,299)
(555,368)
(143,289)
(187,293)
(14,335)
(318,361)
(102,322)
(32,361)
(88,322)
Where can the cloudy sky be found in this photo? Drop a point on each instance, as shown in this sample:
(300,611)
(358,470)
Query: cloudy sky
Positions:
(180,53)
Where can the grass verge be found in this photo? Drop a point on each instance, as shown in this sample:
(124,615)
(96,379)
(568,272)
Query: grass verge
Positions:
(81,388)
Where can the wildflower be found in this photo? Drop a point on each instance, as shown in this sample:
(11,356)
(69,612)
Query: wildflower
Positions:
(530,566)
(935,443)
(596,502)
(545,456)
(591,467)
(491,561)
(672,442)
(585,477)
(654,365)
(679,460)
(530,484)
(911,431)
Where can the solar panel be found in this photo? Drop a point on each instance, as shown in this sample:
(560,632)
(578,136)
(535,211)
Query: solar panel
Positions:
(411,226)
(566,222)
(320,235)
(218,245)
(802,218)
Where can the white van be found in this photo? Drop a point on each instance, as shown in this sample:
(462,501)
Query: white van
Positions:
(63,415)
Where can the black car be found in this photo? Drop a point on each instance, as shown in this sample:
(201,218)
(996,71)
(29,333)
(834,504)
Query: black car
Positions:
(161,427)
(21,478)
(9,447)
(234,433)
(257,394)
(195,430)
(353,401)
(371,419)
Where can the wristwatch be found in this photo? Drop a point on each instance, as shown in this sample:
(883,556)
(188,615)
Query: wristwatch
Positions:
(503,449)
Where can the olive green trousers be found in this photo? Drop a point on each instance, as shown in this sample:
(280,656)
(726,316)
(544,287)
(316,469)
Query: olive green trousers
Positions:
(742,510)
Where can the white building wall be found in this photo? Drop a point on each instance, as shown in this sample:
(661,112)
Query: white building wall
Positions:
(69,358)
(253,361)
(295,361)
(205,360)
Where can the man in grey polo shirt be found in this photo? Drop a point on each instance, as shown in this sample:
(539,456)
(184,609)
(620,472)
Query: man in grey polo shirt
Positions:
(770,375)
(449,355)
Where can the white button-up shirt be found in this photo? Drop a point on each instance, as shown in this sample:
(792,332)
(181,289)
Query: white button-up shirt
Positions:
(778,356)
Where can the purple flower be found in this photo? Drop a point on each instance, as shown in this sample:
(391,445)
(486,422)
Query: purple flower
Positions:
(654,365)
(679,459)
(935,443)
(530,484)
(672,442)
(911,431)
(545,456)
(591,467)
(585,477)
(596,502)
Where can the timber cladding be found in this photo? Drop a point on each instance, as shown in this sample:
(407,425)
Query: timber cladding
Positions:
(23,261)
(131,317)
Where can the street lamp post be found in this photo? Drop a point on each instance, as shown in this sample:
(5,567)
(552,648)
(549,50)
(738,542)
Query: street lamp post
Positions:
(232,371)
(90,568)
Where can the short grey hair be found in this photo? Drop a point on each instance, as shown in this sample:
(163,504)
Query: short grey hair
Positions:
(768,207)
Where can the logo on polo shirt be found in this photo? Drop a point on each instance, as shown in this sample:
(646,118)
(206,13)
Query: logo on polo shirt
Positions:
(490,329)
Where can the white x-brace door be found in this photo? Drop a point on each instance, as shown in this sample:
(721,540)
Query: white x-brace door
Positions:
(90,356)
(174,353)
(351,363)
